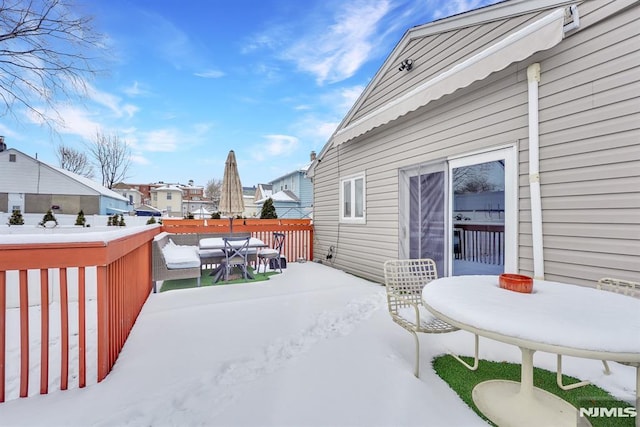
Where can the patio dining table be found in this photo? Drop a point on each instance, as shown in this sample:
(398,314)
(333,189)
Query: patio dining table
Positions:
(556,317)
(217,243)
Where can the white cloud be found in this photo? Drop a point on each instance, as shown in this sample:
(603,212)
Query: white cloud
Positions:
(136,89)
(210,74)
(337,51)
(169,139)
(111,102)
(140,160)
(280,144)
(331,42)
(165,140)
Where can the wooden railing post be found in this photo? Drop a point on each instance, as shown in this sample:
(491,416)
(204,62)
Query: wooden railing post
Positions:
(103,323)
(82,328)
(3,332)
(44,330)
(24,334)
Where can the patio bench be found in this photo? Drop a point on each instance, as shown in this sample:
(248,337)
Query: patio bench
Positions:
(175,256)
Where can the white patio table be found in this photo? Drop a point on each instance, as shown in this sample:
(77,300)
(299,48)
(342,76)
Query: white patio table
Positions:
(217,243)
(556,318)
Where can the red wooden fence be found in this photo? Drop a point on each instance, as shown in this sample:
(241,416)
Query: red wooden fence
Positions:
(123,284)
(299,232)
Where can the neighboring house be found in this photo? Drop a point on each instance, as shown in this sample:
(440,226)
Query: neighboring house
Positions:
(33,186)
(168,199)
(292,194)
(144,189)
(533,105)
(193,198)
(263,191)
(135,197)
(250,208)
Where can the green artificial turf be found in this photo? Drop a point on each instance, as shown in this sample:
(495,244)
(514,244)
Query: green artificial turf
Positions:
(206,280)
(462,381)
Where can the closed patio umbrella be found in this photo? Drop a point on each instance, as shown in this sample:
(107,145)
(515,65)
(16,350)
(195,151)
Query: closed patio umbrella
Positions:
(231,201)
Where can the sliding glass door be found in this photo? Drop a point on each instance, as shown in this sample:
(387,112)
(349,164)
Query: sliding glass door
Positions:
(461,213)
(423,207)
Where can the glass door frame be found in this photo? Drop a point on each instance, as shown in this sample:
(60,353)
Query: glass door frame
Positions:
(509,154)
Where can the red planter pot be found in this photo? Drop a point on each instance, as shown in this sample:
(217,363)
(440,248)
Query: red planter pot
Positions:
(516,283)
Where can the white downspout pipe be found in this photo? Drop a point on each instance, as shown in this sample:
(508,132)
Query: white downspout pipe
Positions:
(533,77)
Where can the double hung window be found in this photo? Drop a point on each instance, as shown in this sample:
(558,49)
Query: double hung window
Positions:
(353,199)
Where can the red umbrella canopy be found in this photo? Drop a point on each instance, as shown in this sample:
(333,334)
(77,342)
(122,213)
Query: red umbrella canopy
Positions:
(231,201)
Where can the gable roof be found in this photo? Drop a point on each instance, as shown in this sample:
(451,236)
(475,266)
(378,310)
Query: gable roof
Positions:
(102,190)
(92,185)
(544,32)
(281,196)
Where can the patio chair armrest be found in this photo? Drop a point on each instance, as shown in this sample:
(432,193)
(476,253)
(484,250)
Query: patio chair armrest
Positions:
(408,301)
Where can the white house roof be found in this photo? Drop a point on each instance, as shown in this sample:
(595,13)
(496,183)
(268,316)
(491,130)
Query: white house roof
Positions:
(281,196)
(266,190)
(167,188)
(102,190)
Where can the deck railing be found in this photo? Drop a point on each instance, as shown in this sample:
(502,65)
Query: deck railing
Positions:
(99,288)
(299,232)
(70,306)
(483,243)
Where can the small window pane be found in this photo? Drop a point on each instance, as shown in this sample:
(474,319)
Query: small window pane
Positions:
(12,157)
(359,196)
(347,199)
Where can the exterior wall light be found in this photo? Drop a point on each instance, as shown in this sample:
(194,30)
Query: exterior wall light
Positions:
(407,65)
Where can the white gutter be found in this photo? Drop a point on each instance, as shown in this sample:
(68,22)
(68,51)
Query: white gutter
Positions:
(533,77)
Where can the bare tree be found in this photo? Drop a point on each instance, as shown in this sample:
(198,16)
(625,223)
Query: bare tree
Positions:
(212,190)
(472,179)
(112,155)
(74,160)
(46,53)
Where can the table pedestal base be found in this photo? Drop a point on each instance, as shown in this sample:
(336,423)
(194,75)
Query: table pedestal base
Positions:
(504,403)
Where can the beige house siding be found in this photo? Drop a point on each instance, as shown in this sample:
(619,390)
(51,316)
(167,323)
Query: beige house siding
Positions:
(447,127)
(590,151)
(436,54)
(589,155)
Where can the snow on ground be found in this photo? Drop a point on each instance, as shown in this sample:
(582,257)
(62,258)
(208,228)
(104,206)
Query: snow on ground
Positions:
(311,347)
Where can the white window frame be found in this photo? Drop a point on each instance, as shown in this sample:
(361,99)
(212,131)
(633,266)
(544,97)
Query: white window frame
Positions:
(353,219)
(508,153)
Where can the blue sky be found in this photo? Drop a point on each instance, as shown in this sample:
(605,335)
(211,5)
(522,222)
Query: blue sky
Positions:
(187,82)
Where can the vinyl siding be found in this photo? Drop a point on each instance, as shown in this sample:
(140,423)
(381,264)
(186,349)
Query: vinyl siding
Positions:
(589,152)
(436,54)
(26,175)
(492,113)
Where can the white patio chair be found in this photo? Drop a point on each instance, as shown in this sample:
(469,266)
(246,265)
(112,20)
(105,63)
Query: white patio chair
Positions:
(624,287)
(404,280)
(264,255)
